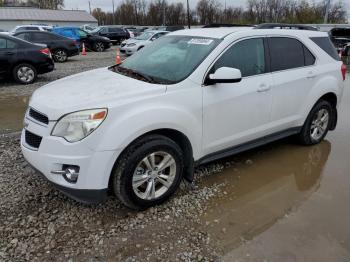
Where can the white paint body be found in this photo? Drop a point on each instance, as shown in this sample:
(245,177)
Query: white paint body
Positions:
(212,117)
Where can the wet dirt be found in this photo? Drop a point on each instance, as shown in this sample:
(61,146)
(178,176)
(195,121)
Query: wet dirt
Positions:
(285,202)
(12,110)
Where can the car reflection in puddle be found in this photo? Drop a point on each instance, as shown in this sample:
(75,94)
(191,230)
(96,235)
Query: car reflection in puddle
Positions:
(275,181)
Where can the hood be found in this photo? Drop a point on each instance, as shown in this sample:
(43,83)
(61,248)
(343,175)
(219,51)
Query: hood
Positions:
(100,88)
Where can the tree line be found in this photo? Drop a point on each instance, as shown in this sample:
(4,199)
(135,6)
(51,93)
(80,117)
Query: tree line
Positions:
(155,12)
(158,12)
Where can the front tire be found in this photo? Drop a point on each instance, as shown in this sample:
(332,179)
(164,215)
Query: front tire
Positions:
(24,74)
(317,124)
(148,172)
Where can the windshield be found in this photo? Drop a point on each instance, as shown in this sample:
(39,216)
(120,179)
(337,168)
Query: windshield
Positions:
(144,36)
(170,59)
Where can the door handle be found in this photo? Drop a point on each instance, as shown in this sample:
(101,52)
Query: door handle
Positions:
(10,53)
(263,88)
(310,75)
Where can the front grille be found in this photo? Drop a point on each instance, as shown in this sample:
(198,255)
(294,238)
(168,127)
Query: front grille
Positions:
(32,139)
(38,116)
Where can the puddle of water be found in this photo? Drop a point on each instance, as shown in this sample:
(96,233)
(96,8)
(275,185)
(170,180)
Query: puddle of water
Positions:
(12,111)
(261,187)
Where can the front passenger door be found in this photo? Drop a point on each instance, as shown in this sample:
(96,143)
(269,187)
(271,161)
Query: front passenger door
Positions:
(235,113)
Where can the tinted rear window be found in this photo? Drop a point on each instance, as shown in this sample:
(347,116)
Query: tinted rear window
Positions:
(286,53)
(327,46)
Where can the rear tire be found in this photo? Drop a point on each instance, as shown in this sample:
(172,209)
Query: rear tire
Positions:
(148,172)
(317,124)
(60,55)
(24,74)
(99,47)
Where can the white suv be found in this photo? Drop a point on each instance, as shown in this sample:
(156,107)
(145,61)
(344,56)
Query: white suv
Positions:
(189,98)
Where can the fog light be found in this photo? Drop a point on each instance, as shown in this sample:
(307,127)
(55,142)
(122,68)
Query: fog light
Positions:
(69,172)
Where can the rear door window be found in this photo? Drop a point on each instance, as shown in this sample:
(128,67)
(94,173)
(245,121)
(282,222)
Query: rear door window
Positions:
(23,36)
(246,55)
(116,30)
(327,46)
(2,43)
(6,44)
(286,53)
(38,37)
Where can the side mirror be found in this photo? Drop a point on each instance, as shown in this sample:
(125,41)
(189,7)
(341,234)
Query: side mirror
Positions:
(225,75)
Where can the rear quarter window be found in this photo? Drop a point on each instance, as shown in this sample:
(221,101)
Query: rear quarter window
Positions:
(327,46)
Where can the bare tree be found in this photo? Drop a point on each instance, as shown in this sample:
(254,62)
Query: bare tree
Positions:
(140,12)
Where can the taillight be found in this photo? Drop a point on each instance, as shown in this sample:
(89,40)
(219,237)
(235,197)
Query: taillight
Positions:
(45,51)
(75,43)
(343,71)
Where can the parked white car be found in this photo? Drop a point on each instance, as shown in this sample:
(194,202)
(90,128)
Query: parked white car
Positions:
(20,28)
(132,45)
(191,97)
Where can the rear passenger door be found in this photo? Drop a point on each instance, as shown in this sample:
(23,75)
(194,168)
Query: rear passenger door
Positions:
(293,74)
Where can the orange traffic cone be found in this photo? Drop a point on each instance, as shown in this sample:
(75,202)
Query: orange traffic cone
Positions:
(117,59)
(84,50)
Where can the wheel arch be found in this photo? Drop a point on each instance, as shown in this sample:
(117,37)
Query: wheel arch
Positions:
(331,98)
(23,62)
(179,138)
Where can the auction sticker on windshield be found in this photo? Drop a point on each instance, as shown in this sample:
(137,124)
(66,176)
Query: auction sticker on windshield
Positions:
(200,41)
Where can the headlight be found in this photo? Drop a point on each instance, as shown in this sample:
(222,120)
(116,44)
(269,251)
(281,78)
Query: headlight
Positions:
(78,125)
(133,44)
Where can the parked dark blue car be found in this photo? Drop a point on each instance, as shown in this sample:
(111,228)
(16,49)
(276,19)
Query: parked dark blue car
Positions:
(92,42)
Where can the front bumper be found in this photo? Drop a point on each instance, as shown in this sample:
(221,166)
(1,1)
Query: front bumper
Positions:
(54,152)
(85,196)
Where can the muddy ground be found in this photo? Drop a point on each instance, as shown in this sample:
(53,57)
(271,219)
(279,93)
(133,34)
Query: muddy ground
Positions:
(280,202)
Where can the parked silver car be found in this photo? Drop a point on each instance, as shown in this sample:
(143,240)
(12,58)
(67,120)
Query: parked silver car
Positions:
(132,45)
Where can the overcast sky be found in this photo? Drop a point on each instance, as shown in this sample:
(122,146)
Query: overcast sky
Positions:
(107,4)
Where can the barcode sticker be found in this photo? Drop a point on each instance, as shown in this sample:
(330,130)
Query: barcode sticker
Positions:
(200,41)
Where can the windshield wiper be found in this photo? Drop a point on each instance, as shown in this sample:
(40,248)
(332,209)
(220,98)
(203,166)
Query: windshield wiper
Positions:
(131,71)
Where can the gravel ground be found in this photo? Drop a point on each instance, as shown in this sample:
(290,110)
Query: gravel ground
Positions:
(38,223)
(74,65)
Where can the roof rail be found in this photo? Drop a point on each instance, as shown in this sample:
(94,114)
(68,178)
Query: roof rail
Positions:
(214,25)
(286,26)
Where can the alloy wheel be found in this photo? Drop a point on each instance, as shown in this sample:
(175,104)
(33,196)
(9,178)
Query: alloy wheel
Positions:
(319,124)
(60,56)
(25,74)
(154,175)
(99,47)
